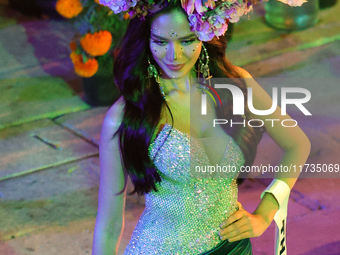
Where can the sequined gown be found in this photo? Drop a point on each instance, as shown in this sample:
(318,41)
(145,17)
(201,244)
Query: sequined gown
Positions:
(183,217)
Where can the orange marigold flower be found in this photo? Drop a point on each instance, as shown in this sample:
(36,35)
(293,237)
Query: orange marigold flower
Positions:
(69,8)
(73,45)
(126,15)
(75,57)
(97,1)
(87,69)
(97,44)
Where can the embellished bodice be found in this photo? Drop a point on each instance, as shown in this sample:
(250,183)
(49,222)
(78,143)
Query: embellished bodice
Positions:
(184,215)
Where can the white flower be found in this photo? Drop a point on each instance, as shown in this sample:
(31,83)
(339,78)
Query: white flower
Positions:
(293,2)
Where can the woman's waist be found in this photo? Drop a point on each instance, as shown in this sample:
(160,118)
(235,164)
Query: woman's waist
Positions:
(186,201)
(187,231)
(185,216)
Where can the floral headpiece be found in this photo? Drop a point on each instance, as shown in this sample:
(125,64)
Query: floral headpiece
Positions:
(207,18)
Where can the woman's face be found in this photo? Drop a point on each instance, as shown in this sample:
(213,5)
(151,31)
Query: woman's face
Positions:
(174,47)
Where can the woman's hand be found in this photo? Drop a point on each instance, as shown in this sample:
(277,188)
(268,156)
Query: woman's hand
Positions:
(242,224)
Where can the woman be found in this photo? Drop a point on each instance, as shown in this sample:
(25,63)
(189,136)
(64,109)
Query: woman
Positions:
(147,135)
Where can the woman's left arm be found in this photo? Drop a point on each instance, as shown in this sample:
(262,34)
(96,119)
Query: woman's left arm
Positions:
(296,146)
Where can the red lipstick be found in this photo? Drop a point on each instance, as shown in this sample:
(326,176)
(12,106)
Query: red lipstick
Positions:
(175,67)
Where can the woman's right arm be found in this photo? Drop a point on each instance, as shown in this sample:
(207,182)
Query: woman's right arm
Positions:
(110,217)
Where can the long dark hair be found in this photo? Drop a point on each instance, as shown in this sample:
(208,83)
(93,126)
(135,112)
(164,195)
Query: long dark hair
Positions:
(143,102)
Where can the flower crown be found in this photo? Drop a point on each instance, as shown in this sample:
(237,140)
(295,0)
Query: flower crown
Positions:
(207,18)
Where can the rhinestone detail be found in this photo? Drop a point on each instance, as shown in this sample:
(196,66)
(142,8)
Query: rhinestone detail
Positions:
(183,217)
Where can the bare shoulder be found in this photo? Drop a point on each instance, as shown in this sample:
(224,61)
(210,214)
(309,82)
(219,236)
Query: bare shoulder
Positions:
(244,73)
(249,80)
(114,116)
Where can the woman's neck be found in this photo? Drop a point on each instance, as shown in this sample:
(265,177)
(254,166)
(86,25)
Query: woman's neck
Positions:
(181,84)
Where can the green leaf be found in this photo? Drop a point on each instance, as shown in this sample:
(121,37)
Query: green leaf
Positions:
(78,51)
(84,57)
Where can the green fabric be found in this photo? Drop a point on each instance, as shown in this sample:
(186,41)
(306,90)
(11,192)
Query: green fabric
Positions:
(242,247)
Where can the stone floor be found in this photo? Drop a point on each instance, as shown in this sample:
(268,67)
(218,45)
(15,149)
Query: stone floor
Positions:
(49,165)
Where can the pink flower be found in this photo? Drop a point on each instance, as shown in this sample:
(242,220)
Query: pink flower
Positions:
(188,6)
(118,6)
(195,21)
(209,3)
(199,7)
(204,36)
(216,20)
(233,16)
(221,31)
(206,26)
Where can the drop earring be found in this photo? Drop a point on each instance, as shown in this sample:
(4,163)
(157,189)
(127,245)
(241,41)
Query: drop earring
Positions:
(152,72)
(203,64)
(203,68)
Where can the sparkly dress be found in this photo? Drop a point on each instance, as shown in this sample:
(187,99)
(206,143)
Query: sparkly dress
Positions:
(183,217)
